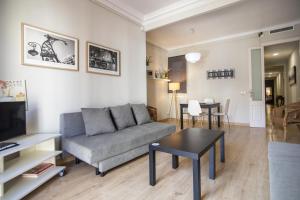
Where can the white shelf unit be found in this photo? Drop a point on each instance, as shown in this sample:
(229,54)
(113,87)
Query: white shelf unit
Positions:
(31,151)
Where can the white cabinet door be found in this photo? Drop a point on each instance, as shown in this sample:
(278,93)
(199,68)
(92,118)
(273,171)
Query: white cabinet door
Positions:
(256,85)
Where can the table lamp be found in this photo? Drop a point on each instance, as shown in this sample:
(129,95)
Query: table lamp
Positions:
(175,86)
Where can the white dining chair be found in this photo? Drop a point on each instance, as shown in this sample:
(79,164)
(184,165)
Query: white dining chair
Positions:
(194,110)
(224,113)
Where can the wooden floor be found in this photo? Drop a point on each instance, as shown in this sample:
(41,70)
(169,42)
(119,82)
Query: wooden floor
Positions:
(243,176)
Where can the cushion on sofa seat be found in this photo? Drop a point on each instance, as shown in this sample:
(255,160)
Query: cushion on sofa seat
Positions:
(103,146)
(123,116)
(141,113)
(97,121)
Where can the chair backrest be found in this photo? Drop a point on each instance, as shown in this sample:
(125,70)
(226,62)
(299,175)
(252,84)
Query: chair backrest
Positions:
(209,100)
(226,106)
(194,108)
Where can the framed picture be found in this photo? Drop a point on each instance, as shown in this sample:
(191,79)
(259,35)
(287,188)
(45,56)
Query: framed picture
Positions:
(220,74)
(293,75)
(103,60)
(43,48)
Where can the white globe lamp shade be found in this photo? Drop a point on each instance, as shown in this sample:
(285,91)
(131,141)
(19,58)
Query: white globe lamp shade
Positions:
(193,57)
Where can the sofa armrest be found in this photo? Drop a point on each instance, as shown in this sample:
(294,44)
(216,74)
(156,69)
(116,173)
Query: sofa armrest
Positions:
(284,165)
(281,150)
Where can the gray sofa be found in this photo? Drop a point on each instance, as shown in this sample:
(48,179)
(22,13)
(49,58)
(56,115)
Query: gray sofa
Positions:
(284,171)
(108,150)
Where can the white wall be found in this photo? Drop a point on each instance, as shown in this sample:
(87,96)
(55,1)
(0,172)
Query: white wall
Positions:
(157,95)
(294,90)
(52,92)
(225,54)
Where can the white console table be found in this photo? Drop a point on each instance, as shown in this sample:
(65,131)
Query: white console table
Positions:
(32,150)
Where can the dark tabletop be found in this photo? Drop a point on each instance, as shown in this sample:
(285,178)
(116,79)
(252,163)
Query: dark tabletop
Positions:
(191,142)
(203,105)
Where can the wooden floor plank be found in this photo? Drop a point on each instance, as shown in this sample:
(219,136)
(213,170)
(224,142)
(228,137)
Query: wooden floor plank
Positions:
(244,175)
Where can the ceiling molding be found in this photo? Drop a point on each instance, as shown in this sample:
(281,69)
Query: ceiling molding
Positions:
(166,15)
(121,9)
(182,10)
(233,36)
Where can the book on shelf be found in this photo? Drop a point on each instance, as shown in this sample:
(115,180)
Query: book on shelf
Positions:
(38,170)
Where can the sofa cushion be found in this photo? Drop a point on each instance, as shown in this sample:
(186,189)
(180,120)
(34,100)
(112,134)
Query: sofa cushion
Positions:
(103,146)
(71,124)
(97,121)
(141,113)
(122,116)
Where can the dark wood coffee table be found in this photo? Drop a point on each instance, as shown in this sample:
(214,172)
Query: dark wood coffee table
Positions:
(191,143)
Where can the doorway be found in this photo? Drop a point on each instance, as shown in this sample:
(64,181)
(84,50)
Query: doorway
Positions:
(270,98)
(277,63)
(269,92)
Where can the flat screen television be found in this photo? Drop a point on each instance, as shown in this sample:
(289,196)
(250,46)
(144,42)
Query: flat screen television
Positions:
(12,120)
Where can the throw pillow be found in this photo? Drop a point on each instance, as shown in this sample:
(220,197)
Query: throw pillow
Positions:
(97,121)
(122,116)
(141,113)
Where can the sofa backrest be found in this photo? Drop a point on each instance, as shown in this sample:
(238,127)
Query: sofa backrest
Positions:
(71,124)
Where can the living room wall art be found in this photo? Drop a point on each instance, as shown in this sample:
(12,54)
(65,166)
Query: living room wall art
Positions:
(103,60)
(220,74)
(44,48)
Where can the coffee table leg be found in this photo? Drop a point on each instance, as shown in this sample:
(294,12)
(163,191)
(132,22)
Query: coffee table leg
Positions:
(212,162)
(196,179)
(222,148)
(152,170)
(174,161)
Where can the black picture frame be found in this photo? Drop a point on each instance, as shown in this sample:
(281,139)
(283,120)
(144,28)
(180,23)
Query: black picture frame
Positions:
(220,74)
(293,75)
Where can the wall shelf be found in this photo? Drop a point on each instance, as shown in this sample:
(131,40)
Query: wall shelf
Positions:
(160,79)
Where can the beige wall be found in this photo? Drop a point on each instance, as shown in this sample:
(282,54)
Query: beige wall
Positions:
(52,92)
(157,95)
(294,90)
(229,53)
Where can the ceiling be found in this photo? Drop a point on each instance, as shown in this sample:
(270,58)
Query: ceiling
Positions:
(284,51)
(271,75)
(151,14)
(243,18)
(148,6)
